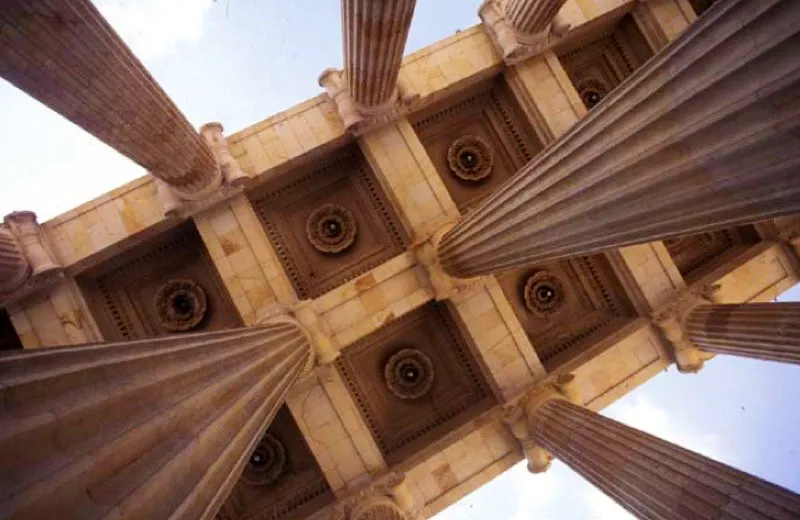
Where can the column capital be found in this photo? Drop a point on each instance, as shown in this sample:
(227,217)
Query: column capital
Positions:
(325,349)
(229,179)
(671,320)
(35,268)
(387,498)
(444,285)
(360,119)
(520,417)
(515,45)
(323,353)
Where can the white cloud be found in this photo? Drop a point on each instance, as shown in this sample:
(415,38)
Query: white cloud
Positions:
(152,27)
(602,507)
(639,412)
(534,493)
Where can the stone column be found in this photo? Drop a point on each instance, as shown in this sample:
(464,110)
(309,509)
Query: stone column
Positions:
(155,428)
(374,38)
(14,267)
(530,17)
(67,56)
(522,28)
(759,330)
(702,137)
(375,33)
(651,478)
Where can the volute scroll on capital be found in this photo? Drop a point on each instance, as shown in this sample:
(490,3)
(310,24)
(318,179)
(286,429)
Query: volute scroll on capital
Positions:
(444,285)
(385,499)
(323,352)
(229,179)
(520,417)
(671,320)
(360,119)
(27,265)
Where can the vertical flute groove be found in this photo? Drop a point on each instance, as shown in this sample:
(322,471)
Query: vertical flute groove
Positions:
(532,16)
(769,331)
(374,38)
(156,428)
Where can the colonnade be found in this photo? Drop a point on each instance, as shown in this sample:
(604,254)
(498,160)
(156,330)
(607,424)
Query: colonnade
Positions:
(700,138)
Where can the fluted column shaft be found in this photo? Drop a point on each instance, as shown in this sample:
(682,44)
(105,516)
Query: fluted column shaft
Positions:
(532,16)
(63,53)
(652,478)
(14,267)
(374,38)
(759,330)
(156,428)
(702,137)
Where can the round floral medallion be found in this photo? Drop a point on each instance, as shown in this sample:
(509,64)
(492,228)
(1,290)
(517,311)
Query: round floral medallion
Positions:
(267,462)
(180,304)
(331,228)
(409,373)
(470,158)
(592,92)
(543,293)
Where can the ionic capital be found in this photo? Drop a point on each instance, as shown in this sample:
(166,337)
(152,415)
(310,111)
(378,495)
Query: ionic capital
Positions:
(301,316)
(385,499)
(444,285)
(516,46)
(360,119)
(228,178)
(520,417)
(27,264)
(325,349)
(671,320)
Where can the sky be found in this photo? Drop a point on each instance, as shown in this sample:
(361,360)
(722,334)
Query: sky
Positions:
(240,61)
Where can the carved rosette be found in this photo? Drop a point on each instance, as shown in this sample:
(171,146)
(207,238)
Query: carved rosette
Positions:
(592,92)
(543,293)
(181,305)
(409,374)
(470,158)
(331,229)
(267,462)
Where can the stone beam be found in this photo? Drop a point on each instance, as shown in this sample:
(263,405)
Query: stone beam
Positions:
(67,56)
(700,138)
(147,429)
(366,93)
